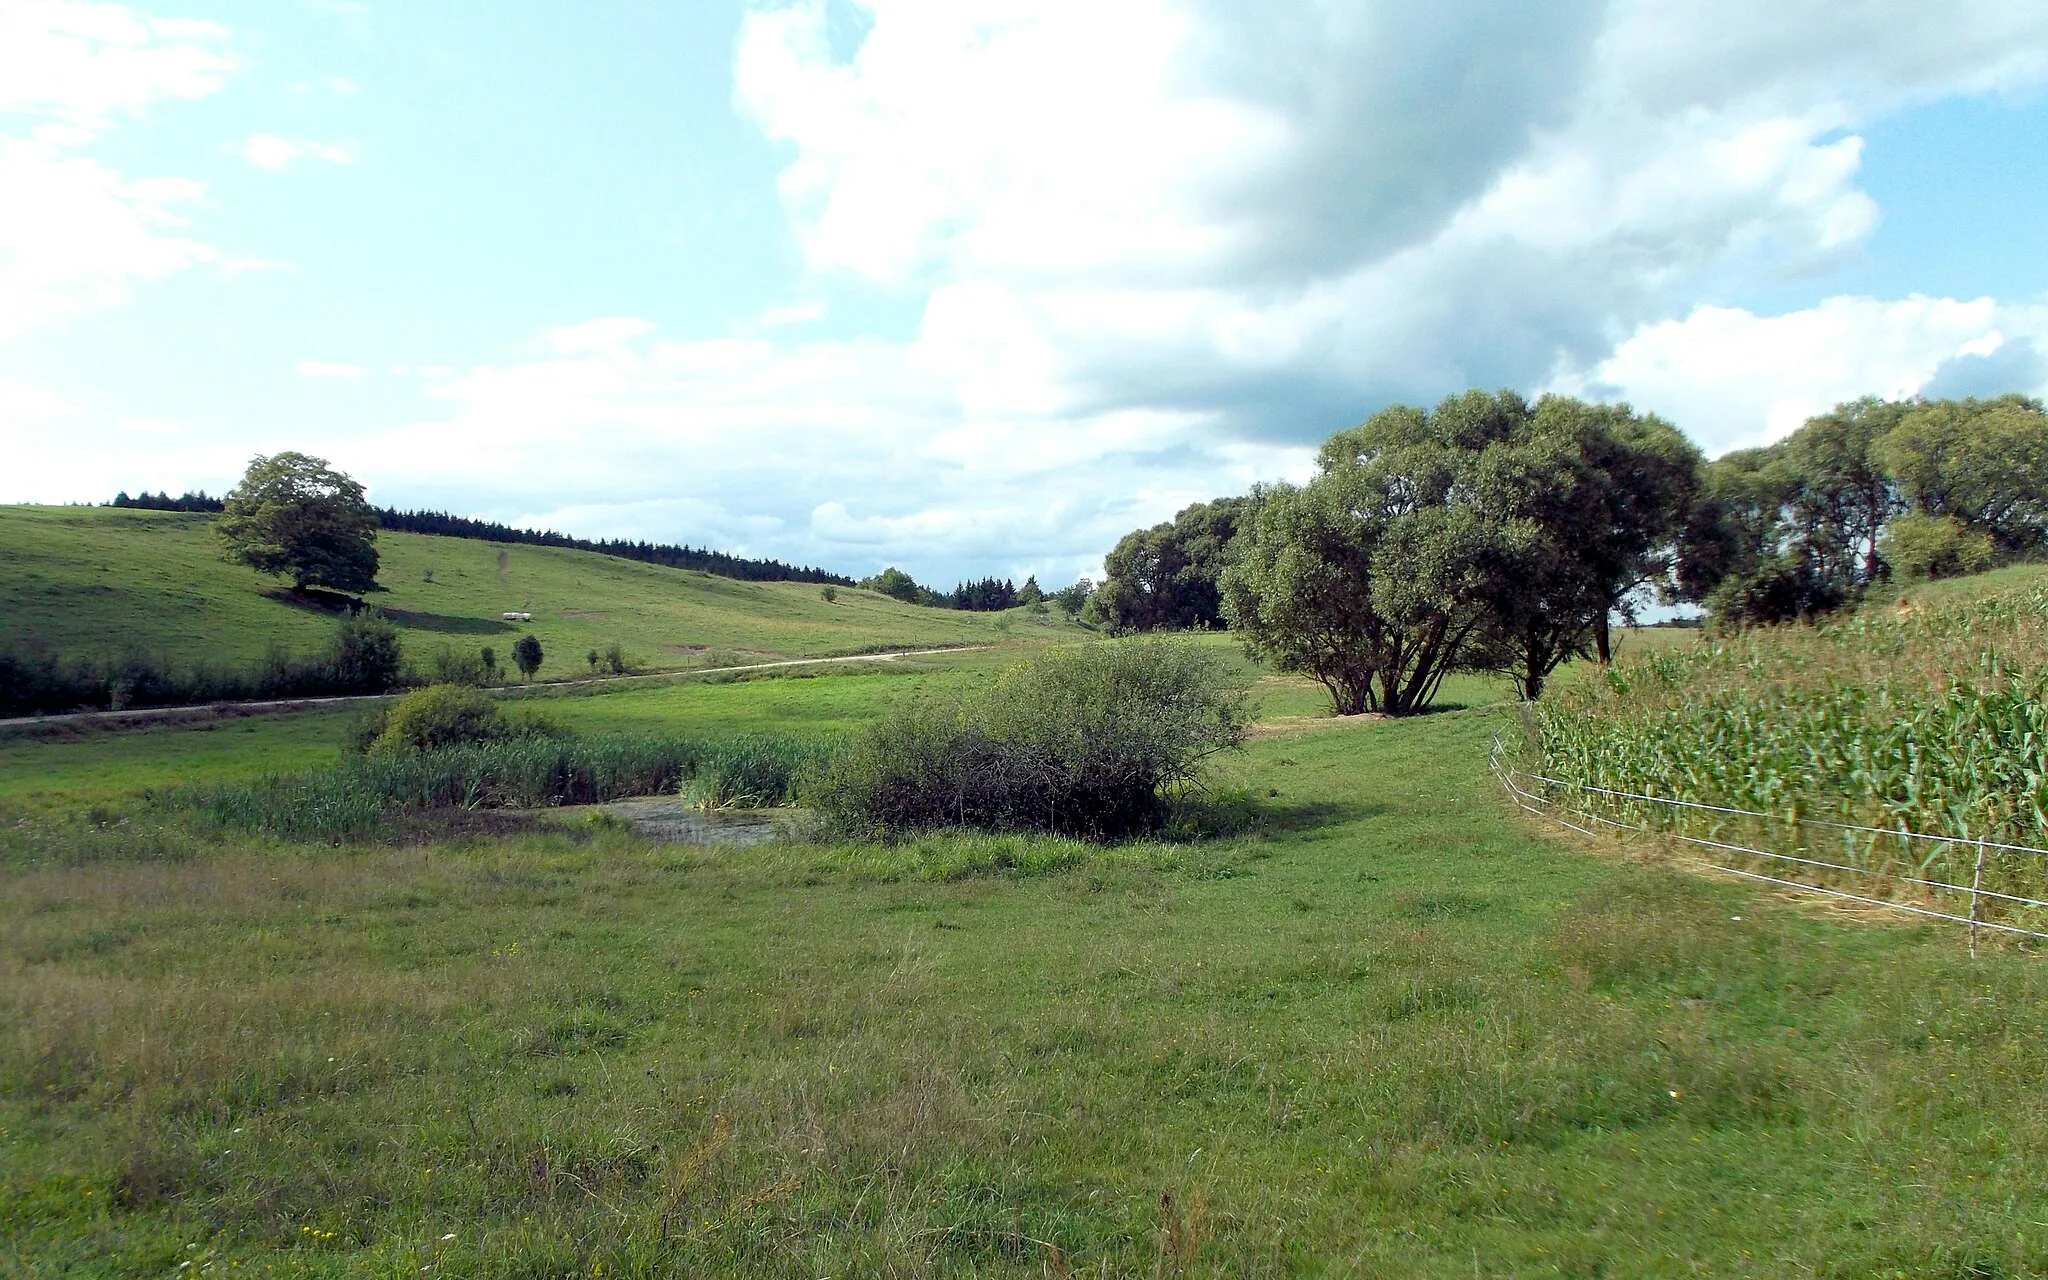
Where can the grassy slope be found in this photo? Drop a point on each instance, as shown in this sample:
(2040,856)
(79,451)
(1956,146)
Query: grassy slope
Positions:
(1399,1033)
(83,580)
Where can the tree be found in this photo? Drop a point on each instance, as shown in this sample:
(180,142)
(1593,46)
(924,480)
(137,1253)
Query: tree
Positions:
(1736,522)
(1984,462)
(1843,493)
(1072,597)
(526,655)
(1166,577)
(1589,500)
(990,595)
(1030,593)
(1374,576)
(293,516)
(896,584)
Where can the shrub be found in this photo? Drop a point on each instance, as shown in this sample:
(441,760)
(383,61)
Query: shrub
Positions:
(829,594)
(477,670)
(1919,547)
(441,715)
(1089,740)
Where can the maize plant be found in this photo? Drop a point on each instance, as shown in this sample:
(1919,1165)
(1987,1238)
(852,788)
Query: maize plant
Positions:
(1910,718)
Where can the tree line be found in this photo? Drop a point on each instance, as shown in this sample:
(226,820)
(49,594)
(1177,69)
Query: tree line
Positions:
(989,595)
(1495,534)
(441,523)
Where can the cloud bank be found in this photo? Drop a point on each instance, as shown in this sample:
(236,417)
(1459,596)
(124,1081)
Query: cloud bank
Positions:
(1162,248)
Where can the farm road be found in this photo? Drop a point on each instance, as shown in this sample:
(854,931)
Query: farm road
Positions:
(204,710)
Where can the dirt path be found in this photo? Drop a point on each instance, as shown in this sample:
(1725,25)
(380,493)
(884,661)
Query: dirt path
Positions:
(217,710)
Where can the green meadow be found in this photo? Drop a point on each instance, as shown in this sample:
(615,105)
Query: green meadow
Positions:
(89,582)
(1374,1022)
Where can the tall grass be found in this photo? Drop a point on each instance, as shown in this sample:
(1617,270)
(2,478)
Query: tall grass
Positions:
(357,797)
(1920,717)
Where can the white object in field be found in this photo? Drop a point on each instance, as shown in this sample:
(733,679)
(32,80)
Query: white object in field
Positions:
(516,617)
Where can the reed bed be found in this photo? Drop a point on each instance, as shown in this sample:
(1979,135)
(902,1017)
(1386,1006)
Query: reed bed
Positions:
(1915,717)
(359,796)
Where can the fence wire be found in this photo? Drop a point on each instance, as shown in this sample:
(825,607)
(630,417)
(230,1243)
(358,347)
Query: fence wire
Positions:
(1527,791)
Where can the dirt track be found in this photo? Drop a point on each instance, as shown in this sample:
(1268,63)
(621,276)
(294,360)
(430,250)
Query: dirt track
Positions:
(220,710)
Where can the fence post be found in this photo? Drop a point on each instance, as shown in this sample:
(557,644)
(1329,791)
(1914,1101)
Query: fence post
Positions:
(1976,881)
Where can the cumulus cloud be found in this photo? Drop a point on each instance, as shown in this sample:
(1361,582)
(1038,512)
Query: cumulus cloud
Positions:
(1164,246)
(1738,379)
(1284,219)
(853,453)
(75,234)
(268,151)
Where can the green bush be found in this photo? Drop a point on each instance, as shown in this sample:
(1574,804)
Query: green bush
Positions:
(1090,740)
(1919,547)
(442,715)
(472,669)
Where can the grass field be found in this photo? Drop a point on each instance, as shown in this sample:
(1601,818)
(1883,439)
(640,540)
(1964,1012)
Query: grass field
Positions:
(84,581)
(1391,1030)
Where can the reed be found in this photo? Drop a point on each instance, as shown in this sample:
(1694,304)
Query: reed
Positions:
(360,796)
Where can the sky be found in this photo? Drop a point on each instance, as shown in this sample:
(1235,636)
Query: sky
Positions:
(975,287)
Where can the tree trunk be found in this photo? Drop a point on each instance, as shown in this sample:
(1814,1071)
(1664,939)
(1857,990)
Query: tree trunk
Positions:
(1603,644)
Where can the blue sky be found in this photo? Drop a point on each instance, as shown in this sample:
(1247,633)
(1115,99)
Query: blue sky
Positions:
(975,286)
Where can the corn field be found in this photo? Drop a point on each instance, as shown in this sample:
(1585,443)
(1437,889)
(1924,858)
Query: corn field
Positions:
(1928,718)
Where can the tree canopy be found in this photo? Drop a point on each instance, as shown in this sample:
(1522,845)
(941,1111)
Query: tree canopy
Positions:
(1870,489)
(1487,533)
(1165,578)
(294,516)
(1984,462)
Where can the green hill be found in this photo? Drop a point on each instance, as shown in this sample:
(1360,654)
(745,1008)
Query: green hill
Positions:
(98,582)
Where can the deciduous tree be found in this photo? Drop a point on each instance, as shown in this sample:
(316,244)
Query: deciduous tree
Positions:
(296,517)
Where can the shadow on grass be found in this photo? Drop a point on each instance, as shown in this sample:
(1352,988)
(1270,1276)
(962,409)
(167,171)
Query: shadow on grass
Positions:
(1227,814)
(446,625)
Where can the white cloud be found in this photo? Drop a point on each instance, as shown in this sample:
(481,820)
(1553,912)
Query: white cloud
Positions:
(1288,217)
(74,234)
(1164,246)
(1795,365)
(850,453)
(792,314)
(268,151)
(83,64)
(331,369)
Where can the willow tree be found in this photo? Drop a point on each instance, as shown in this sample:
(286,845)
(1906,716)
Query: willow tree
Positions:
(1487,533)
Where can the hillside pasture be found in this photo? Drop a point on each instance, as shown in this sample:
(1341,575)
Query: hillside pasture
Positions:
(89,582)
